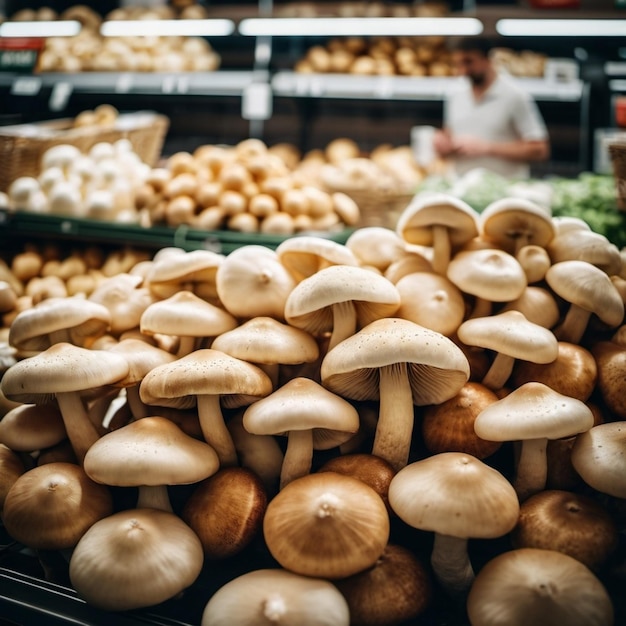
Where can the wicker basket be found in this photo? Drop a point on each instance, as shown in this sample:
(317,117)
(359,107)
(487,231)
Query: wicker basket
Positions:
(22,146)
(617,152)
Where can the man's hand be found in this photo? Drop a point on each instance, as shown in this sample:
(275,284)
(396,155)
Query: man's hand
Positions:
(470,146)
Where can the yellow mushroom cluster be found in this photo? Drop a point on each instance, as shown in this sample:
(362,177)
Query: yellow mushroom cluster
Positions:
(348,419)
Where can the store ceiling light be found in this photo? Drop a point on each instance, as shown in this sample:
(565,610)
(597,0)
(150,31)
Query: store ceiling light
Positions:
(359,26)
(60,28)
(167,28)
(561,28)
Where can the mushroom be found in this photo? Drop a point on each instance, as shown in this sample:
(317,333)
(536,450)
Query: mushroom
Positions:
(441,221)
(568,522)
(207,375)
(340,299)
(305,255)
(268,343)
(375,246)
(456,496)
(395,590)
(226,511)
(312,418)
(276,596)
(60,319)
(11,468)
(490,275)
(50,507)
(252,282)
(135,558)
(512,223)
(32,427)
(401,364)
(326,525)
(449,426)
(510,336)
(610,359)
(599,457)
(63,371)
(534,586)
(150,454)
(188,317)
(537,304)
(588,290)
(535,262)
(532,414)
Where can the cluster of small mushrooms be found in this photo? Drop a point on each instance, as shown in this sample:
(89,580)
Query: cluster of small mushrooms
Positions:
(333,407)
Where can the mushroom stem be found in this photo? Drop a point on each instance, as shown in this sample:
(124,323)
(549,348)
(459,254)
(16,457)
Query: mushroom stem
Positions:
(186,345)
(532,468)
(344,323)
(499,371)
(154,497)
(214,429)
(80,431)
(481,308)
(394,430)
(60,336)
(272,371)
(441,249)
(298,456)
(138,408)
(451,565)
(574,325)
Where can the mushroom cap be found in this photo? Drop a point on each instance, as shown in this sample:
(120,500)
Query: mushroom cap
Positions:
(11,468)
(533,411)
(599,457)
(508,219)
(489,273)
(267,340)
(30,427)
(252,282)
(535,586)
(588,287)
(326,525)
(309,305)
(432,301)
(149,451)
(303,404)
(375,246)
(83,318)
(437,209)
(456,494)
(510,333)
(135,558)
(205,372)
(537,304)
(568,522)
(305,255)
(141,356)
(185,314)
(585,245)
(437,367)
(50,507)
(266,596)
(61,368)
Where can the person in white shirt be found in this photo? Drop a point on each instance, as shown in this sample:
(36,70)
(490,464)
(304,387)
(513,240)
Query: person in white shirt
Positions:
(489,121)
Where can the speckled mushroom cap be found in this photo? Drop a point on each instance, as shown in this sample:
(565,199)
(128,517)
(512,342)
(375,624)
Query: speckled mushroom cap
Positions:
(535,586)
(141,357)
(455,494)
(309,305)
(437,367)
(305,255)
(268,596)
(491,274)
(510,333)
(427,210)
(533,411)
(513,222)
(32,329)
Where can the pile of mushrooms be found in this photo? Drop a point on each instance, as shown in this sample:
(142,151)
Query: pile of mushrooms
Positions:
(423,420)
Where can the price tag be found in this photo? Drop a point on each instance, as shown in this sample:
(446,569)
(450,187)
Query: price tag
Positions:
(124,83)
(256,102)
(384,87)
(61,93)
(26,86)
(183,85)
(169,84)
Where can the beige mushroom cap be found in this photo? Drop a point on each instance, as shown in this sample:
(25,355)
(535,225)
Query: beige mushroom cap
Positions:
(599,456)
(455,494)
(135,558)
(269,596)
(141,357)
(30,427)
(71,319)
(535,586)
(305,255)
(375,246)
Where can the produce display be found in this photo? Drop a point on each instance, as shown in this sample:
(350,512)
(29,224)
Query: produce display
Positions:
(296,424)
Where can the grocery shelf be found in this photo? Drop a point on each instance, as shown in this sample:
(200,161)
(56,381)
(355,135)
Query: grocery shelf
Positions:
(21,224)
